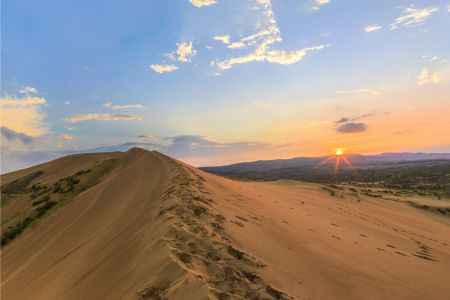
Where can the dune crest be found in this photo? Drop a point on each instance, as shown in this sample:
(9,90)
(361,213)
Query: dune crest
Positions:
(147,231)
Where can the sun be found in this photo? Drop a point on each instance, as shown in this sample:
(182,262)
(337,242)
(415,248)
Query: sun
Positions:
(339,152)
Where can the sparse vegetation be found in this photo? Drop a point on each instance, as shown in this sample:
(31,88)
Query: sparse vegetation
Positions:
(20,185)
(11,233)
(422,177)
(48,197)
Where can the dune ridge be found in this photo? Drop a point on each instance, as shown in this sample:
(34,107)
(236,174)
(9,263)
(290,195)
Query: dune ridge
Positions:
(155,228)
(164,240)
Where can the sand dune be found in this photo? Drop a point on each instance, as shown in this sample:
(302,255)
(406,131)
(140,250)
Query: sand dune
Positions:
(155,228)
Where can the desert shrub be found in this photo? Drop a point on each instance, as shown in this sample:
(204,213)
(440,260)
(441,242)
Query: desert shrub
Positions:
(82,172)
(41,210)
(20,185)
(13,232)
(42,200)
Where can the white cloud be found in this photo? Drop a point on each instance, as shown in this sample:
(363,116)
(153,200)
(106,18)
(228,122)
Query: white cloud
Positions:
(185,52)
(67,103)
(201,3)
(101,117)
(236,45)
(433,58)
(69,128)
(223,38)
(372,28)
(163,68)
(319,3)
(262,42)
(23,115)
(115,107)
(18,102)
(28,90)
(290,57)
(359,91)
(426,77)
(413,16)
(66,137)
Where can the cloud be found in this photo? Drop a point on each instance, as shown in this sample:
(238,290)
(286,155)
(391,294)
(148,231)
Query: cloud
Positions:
(18,102)
(101,117)
(426,77)
(13,159)
(116,107)
(193,148)
(163,68)
(372,28)
(351,127)
(24,115)
(67,103)
(201,3)
(342,120)
(236,45)
(28,90)
(196,146)
(262,42)
(12,135)
(66,137)
(111,148)
(69,128)
(185,52)
(147,137)
(359,91)
(319,3)
(433,58)
(413,16)
(346,119)
(223,38)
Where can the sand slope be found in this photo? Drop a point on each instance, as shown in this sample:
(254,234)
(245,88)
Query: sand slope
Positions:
(154,228)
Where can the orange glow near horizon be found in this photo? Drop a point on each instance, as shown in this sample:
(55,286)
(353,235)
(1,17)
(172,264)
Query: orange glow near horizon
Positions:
(338,156)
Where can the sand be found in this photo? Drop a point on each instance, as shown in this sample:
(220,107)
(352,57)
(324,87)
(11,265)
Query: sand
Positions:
(155,228)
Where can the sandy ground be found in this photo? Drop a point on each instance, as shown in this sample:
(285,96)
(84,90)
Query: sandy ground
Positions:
(155,228)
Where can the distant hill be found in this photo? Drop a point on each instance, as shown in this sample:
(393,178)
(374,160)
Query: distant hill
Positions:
(423,172)
(356,160)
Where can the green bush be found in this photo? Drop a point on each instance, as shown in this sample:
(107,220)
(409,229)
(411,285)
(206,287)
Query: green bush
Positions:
(20,185)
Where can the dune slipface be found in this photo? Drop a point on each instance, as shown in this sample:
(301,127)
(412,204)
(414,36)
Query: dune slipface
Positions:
(140,225)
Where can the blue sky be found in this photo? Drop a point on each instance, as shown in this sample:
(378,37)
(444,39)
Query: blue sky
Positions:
(215,81)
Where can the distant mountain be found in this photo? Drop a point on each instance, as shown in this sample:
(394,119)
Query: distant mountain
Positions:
(425,173)
(357,160)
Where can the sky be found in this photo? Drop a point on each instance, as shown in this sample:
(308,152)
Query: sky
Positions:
(214,82)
